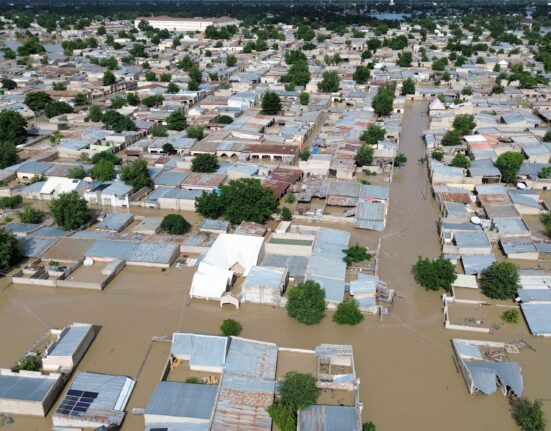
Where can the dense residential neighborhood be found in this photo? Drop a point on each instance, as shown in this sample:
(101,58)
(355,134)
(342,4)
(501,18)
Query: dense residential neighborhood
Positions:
(254,209)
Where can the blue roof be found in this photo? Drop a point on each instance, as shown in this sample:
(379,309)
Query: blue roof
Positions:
(515,245)
(21,228)
(117,188)
(484,376)
(538,317)
(471,239)
(200,350)
(115,221)
(184,400)
(160,253)
(171,178)
(70,340)
(328,418)
(476,263)
(32,246)
(253,359)
(534,295)
(25,388)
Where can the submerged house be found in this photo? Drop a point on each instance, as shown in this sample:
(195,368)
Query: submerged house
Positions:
(484,370)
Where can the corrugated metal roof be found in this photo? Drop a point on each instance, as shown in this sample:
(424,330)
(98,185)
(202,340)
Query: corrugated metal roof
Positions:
(115,221)
(328,418)
(517,245)
(472,239)
(271,278)
(476,263)
(161,253)
(35,246)
(534,295)
(200,350)
(70,340)
(15,387)
(252,358)
(538,317)
(485,374)
(183,400)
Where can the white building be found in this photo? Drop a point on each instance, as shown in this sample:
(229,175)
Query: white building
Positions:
(185,24)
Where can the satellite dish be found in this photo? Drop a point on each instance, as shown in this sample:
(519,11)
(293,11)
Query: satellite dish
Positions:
(476,220)
(521,186)
(88,261)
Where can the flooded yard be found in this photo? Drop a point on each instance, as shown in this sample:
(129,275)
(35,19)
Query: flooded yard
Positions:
(408,377)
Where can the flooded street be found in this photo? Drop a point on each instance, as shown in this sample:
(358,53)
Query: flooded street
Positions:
(408,378)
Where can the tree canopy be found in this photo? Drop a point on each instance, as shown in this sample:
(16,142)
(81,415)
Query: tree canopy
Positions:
(435,274)
(176,121)
(364,155)
(175,224)
(103,170)
(500,280)
(383,102)
(373,134)
(298,390)
(204,162)
(271,103)
(12,133)
(57,108)
(306,302)
(509,164)
(10,249)
(136,174)
(330,82)
(230,327)
(408,87)
(116,121)
(348,313)
(70,211)
(528,414)
(240,200)
(355,254)
(37,100)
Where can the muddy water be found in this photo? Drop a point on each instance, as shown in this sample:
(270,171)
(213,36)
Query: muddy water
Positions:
(408,380)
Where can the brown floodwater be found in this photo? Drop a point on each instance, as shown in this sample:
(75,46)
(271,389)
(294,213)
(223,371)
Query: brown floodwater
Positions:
(408,377)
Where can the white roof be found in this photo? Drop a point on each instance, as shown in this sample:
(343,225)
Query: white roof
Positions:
(59,185)
(214,272)
(474,138)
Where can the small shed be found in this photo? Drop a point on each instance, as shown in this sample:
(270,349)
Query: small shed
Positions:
(215,226)
(115,222)
(264,285)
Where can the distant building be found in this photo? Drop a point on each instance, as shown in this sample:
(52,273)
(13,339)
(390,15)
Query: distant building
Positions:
(185,24)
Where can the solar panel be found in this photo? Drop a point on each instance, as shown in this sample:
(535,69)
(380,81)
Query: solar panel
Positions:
(76,403)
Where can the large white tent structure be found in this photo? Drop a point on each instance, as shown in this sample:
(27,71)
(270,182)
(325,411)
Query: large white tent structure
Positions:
(230,254)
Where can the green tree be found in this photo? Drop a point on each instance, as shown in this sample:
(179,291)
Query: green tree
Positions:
(103,170)
(400,159)
(364,155)
(132,99)
(37,100)
(286,214)
(356,253)
(175,224)
(408,87)
(204,162)
(528,414)
(304,154)
(12,132)
(330,82)
(95,113)
(8,84)
(169,148)
(108,78)
(547,136)
(437,155)
(361,74)
(118,102)
(153,100)
(404,59)
(464,124)
(195,132)
(80,99)
(31,215)
(10,201)
(230,327)
(283,416)
(176,121)
(106,155)
(150,76)
(451,137)
(10,249)
(508,164)
(224,119)
(271,103)
(172,88)
(28,363)
(209,205)
(165,77)
(136,174)
(369,426)
(306,302)
(116,121)
(511,316)
(348,313)
(500,280)
(383,102)
(231,60)
(373,134)
(70,211)
(298,390)
(467,91)
(461,161)
(435,274)
(158,131)
(57,108)
(304,98)
(77,173)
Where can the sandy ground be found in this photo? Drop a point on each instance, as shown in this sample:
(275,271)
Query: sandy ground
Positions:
(408,378)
